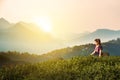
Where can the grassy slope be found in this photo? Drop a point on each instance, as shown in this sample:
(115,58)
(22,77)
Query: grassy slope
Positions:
(77,68)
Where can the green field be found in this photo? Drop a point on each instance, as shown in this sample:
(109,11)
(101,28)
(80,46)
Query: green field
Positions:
(77,68)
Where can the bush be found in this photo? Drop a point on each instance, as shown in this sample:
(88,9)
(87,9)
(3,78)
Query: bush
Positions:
(77,68)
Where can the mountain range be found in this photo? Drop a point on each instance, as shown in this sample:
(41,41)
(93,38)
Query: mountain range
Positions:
(28,37)
(12,57)
(111,47)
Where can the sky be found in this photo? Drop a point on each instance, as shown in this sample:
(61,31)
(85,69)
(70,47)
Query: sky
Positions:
(66,16)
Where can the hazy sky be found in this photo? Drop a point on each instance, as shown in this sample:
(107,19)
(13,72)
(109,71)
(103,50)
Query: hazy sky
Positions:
(65,15)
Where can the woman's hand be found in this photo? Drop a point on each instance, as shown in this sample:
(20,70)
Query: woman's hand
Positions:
(99,56)
(91,54)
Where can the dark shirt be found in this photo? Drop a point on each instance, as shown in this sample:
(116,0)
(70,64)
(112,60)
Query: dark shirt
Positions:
(97,49)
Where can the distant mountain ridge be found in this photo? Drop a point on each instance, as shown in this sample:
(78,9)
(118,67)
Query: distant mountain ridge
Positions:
(4,24)
(28,37)
(112,47)
(103,34)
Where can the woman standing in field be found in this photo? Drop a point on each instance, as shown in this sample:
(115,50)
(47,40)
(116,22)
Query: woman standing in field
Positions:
(98,48)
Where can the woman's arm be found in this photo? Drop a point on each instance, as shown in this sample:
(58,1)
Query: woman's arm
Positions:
(100,53)
(92,53)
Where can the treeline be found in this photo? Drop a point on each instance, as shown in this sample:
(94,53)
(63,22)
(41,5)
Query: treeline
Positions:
(14,57)
(112,47)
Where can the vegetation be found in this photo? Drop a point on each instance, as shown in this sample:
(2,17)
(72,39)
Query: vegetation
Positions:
(77,68)
(112,47)
(11,57)
(72,63)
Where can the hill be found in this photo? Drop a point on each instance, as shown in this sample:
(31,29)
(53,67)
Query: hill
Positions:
(28,37)
(77,68)
(6,57)
(6,60)
(4,24)
(24,37)
(112,47)
(72,63)
(104,34)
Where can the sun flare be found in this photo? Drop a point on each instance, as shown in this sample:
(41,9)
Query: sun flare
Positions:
(44,23)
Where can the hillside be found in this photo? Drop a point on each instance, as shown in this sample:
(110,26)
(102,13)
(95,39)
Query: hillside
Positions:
(11,57)
(6,60)
(77,68)
(72,63)
(112,47)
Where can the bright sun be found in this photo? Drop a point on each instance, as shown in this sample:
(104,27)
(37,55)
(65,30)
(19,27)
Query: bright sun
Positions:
(44,23)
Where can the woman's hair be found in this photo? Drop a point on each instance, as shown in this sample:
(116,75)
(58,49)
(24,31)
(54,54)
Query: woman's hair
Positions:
(98,41)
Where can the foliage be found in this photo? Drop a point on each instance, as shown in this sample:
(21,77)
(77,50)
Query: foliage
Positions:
(77,68)
(112,47)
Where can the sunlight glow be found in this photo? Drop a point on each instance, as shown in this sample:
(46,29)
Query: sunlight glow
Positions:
(44,23)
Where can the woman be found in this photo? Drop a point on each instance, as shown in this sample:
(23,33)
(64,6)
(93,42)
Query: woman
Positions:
(98,48)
